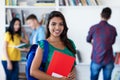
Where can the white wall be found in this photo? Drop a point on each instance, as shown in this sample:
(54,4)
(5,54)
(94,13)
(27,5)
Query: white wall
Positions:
(79,21)
(111,2)
(2,21)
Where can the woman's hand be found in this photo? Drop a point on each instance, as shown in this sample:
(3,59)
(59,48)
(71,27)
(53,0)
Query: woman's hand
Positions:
(9,65)
(72,76)
(23,30)
(24,49)
(25,38)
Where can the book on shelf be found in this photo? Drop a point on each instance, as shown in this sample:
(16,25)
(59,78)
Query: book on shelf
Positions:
(44,4)
(44,18)
(78,2)
(8,16)
(61,2)
(6,2)
(96,2)
(93,2)
(22,3)
(89,2)
(67,3)
(22,45)
(84,2)
(99,2)
(11,2)
(72,2)
(60,65)
(23,15)
(45,1)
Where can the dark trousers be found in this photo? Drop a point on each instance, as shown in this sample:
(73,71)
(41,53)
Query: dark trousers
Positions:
(11,74)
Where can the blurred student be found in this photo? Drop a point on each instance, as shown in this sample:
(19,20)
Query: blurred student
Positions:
(102,36)
(38,32)
(57,40)
(12,55)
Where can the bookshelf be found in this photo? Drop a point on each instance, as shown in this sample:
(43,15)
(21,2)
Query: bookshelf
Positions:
(79,18)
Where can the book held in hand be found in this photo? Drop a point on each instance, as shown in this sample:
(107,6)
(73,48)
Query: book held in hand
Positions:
(23,45)
(60,65)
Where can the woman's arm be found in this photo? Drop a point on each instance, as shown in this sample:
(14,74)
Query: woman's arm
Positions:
(9,64)
(25,39)
(35,72)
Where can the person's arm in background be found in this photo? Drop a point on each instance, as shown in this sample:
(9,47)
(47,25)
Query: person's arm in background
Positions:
(90,35)
(9,64)
(25,40)
(114,33)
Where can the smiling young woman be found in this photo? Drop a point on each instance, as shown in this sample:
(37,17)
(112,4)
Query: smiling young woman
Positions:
(57,40)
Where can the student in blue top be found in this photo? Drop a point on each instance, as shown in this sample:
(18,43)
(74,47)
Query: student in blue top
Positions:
(38,32)
(57,40)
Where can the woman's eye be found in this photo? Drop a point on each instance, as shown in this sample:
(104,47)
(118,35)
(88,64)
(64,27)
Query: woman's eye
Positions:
(61,24)
(53,24)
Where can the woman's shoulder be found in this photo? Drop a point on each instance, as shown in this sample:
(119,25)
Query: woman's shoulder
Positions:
(41,43)
(72,42)
(7,36)
(7,33)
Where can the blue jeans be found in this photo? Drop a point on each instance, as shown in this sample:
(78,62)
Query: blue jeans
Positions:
(96,68)
(11,74)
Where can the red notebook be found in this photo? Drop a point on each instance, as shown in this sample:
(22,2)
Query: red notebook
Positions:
(61,64)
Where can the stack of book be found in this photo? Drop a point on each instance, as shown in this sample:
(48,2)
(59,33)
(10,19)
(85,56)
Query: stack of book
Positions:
(23,45)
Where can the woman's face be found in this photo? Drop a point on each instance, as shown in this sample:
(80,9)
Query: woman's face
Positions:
(16,26)
(56,26)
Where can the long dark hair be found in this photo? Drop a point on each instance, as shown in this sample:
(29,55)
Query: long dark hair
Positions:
(63,36)
(11,28)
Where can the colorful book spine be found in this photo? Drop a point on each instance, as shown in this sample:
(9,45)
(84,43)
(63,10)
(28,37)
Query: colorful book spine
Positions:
(7,2)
